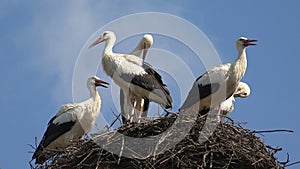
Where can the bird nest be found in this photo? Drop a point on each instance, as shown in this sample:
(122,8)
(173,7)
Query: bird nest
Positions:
(230,146)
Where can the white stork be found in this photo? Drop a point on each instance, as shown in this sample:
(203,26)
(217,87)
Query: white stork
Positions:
(71,122)
(136,79)
(141,104)
(218,83)
(227,106)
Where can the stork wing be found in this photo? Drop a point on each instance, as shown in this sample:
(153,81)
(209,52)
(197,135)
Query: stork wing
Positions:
(132,59)
(148,68)
(57,126)
(227,106)
(206,84)
(64,108)
(151,83)
(147,79)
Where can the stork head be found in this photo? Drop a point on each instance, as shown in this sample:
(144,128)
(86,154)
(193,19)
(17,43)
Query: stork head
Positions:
(244,42)
(96,81)
(147,43)
(243,90)
(147,40)
(107,35)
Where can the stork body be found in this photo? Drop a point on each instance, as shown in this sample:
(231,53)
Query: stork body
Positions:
(218,83)
(130,113)
(71,122)
(132,76)
(227,106)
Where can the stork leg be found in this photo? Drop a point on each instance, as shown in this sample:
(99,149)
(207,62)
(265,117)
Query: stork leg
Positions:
(132,106)
(133,112)
(124,101)
(219,113)
(128,106)
(140,108)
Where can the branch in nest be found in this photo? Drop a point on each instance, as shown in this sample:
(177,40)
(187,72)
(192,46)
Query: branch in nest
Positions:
(272,131)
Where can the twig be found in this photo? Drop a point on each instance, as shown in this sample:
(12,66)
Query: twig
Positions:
(121,151)
(257,161)
(85,158)
(30,145)
(117,118)
(294,163)
(272,148)
(287,160)
(271,131)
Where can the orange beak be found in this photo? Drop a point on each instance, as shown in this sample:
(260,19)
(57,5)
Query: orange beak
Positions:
(101,83)
(101,39)
(248,42)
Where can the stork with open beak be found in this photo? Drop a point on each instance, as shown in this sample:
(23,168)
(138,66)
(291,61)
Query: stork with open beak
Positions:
(218,83)
(71,122)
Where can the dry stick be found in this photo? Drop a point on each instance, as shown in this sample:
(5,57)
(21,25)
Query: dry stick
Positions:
(287,160)
(121,151)
(211,159)
(204,158)
(85,158)
(34,148)
(117,118)
(297,162)
(257,161)
(272,148)
(271,131)
(162,138)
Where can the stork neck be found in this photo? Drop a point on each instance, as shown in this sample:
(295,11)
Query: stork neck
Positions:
(109,45)
(93,91)
(138,50)
(241,63)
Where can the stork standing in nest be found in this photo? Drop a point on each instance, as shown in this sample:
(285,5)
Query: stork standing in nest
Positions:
(141,105)
(71,122)
(227,106)
(218,83)
(136,79)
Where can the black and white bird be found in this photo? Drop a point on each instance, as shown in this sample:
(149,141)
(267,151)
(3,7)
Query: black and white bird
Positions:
(227,106)
(140,105)
(71,122)
(136,79)
(218,83)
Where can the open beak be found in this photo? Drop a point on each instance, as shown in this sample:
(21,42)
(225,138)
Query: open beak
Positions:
(248,42)
(101,83)
(101,39)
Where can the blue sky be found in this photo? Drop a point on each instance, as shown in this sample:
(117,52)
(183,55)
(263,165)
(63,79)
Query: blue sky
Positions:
(40,42)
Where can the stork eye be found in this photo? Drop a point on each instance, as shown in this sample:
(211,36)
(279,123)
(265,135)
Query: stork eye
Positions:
(104,34)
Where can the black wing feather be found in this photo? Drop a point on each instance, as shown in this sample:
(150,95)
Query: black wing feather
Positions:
(198,92)
(150,81)
(53,132)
